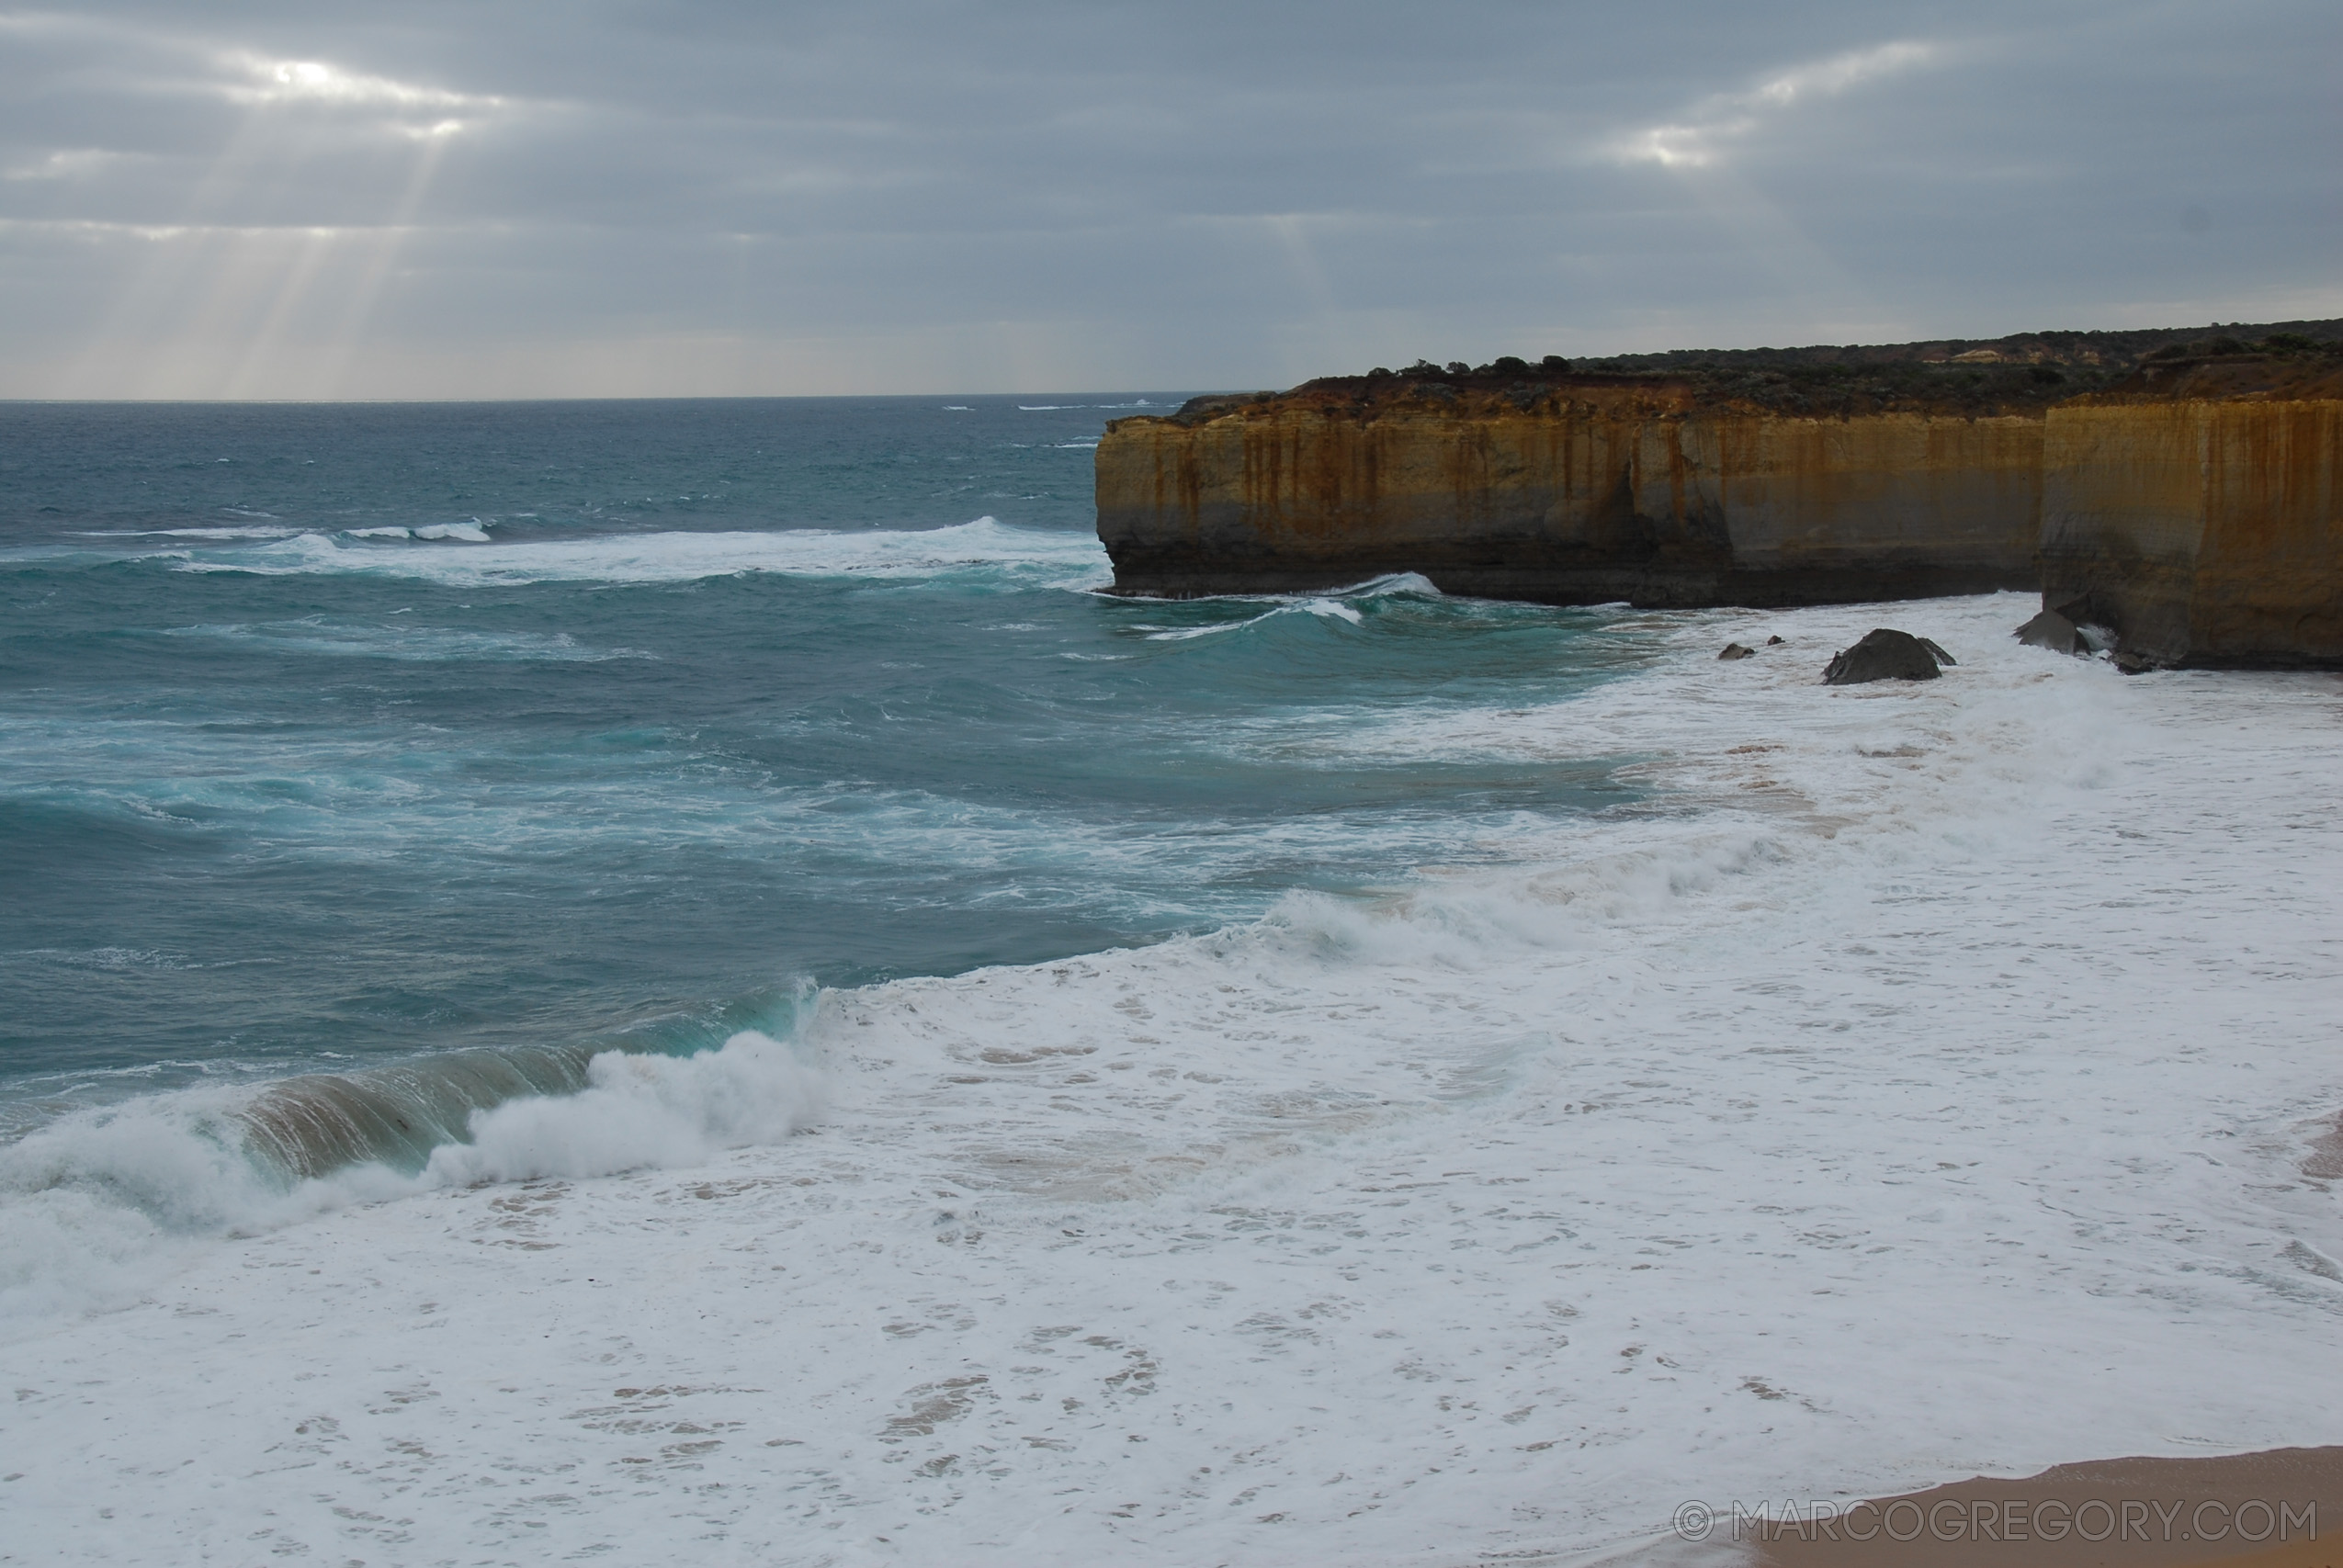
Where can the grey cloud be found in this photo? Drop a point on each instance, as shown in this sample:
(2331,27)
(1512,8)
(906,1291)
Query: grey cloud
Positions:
(896,196)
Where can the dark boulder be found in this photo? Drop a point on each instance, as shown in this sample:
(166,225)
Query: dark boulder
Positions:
(2051,630)
(1735,650)
(2069,628)
(1885,655)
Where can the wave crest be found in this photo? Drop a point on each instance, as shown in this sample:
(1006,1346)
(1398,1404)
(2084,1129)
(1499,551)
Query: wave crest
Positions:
(96,1206)
(984,546)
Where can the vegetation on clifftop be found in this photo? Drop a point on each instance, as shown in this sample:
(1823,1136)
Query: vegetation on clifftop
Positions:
(2021,373)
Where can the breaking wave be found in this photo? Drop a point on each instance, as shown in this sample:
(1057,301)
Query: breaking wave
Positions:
(95,1204)
(986,545)
(464,555)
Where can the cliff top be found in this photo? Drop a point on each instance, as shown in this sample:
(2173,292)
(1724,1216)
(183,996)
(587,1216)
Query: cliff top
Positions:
(2024,373)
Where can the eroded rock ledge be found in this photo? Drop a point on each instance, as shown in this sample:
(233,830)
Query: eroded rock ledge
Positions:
(2198,510)
(2183,493)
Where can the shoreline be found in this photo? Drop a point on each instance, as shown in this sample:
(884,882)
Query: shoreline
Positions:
(1868,1106)
(2270,1508)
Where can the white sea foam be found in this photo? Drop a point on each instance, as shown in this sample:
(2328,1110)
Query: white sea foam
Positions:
(408,641)
(217,533)
(1328,609)
(1394,585)
(640,1112)
(983,545)
(100,1204)
(1332,606)
(470,532)
(1916,1084)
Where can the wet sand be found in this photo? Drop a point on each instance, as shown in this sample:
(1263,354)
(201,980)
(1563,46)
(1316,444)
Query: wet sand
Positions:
(2282,1509)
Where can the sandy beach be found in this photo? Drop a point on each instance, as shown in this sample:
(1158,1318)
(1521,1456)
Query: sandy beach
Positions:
(2279,1508)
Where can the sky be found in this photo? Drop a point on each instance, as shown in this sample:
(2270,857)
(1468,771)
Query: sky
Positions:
(500,198)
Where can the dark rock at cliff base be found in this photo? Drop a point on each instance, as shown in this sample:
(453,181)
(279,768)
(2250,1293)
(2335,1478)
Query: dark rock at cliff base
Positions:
(1885,655)
(1773,642)
(2194,517)
(1735,650)
(2066,630)
(2051,630)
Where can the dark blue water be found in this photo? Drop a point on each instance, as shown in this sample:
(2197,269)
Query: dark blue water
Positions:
(332,735)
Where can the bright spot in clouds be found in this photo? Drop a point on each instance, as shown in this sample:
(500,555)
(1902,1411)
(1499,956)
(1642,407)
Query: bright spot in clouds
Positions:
(1727,116)
(312,81)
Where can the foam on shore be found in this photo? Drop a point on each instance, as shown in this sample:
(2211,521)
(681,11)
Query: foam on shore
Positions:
(1920,1086)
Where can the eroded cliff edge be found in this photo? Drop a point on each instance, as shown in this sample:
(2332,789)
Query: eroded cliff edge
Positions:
(1589,492)
(1822,481)
(2198,512)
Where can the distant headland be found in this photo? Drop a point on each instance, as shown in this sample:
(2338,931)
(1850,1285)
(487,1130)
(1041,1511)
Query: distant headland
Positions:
(2182,487)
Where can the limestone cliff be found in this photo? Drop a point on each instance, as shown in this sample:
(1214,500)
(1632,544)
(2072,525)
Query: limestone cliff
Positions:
(2198,510)
(1592,490)
(2186,497)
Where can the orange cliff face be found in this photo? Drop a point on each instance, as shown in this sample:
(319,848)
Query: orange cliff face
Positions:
(2196,507)
(1595,490)
(2201,519)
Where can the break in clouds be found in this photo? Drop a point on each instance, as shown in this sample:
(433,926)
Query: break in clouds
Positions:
(538,199)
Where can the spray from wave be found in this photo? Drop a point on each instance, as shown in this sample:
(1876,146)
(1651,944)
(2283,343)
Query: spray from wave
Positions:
(97,1204)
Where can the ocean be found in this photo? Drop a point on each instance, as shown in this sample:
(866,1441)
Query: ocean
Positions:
(625,979)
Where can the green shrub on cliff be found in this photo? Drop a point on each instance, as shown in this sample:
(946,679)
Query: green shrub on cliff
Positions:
(1947,375)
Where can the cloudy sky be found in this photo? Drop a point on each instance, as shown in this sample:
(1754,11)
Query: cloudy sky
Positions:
(290,199)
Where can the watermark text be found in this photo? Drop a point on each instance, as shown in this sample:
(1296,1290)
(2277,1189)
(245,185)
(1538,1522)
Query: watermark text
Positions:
(2252,1521)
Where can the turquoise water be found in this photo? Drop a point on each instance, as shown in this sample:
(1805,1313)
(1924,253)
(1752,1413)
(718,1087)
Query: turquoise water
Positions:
(337,736)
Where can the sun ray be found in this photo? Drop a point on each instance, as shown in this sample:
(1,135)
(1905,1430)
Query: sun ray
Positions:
(390,241)
(208,307)
(257,367)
